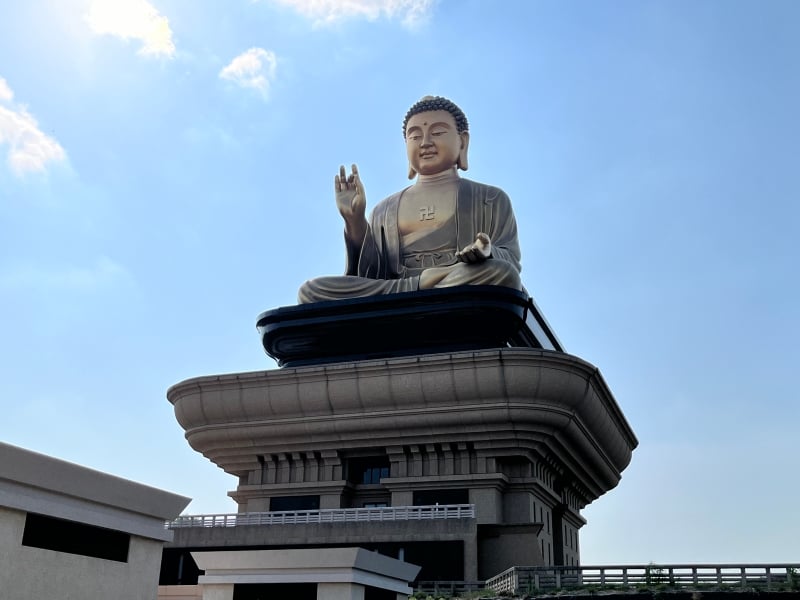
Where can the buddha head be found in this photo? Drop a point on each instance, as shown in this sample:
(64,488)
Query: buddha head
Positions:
(437,136)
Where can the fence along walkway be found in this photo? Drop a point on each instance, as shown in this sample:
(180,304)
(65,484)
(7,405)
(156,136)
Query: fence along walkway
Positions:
(332,515)
(524,579)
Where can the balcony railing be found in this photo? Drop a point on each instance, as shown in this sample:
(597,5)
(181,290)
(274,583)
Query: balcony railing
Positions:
(439,589)
(529,579)
(332,515)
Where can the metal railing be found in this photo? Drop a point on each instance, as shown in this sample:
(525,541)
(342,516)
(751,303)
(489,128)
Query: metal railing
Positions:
(331,515)
(528,579)
(451,588)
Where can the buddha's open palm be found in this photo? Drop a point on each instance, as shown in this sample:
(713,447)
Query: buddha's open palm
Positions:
(476,252)
(351,200)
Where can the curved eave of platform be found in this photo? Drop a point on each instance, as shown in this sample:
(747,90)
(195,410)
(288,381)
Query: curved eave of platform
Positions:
(553,403)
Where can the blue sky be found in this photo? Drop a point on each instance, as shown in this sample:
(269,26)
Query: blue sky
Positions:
(166,174)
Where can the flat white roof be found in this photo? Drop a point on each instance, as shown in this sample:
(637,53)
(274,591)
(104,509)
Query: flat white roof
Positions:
(34,482)
(312,565)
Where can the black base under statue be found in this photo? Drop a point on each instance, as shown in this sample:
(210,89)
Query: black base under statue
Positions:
(467,317)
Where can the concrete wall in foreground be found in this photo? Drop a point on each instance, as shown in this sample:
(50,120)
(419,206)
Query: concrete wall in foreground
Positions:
(180,592)
(71,533)
(27,573)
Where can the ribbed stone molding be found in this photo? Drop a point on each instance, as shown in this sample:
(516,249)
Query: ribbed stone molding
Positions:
(507,401)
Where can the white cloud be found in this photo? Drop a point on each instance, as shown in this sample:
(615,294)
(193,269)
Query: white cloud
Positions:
(6,95)
(133,20)
(253,69)
(29,149)
(411,12)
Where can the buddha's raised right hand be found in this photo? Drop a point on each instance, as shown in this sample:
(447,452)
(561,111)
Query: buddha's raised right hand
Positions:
(351,200)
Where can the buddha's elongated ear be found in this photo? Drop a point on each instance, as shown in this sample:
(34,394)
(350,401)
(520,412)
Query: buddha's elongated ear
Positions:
(462,155)
(411,172)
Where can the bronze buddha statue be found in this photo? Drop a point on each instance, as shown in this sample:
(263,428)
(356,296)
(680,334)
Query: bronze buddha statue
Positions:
(442,231)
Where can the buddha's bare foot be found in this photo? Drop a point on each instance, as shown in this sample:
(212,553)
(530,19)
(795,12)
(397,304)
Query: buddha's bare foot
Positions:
(488,272)
(431,277)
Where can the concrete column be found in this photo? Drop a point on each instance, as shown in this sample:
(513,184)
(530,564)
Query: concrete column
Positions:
(415,468)
(471,559)
(299,468)
(338,591)
(270,470)
(217,591)
(254,476)
(330,501)
(257,505)
(519,508)
(332,466)
(484,458)
(462,465)
(488,505)
(433,459)
(397,459)
(402,498)
(283,468)
(312,467)
(449,466)
(480,463)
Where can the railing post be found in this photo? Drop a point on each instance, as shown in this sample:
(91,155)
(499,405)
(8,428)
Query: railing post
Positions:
(694,575)
(719,575)
(625,575)
(743,578)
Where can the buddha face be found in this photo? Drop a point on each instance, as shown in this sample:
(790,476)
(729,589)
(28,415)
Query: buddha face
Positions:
(433,143)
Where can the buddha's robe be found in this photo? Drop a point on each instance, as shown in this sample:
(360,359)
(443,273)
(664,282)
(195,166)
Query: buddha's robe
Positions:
(388,263)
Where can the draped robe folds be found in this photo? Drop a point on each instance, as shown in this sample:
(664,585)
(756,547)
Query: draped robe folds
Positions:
(386,263)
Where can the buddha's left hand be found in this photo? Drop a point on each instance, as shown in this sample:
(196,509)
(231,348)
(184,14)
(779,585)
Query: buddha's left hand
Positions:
(477,251)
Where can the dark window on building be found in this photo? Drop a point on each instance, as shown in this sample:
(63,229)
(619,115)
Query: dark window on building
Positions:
(294,503)
(367,471)
(178,567)
(431,497)
(50,533)
(440,561)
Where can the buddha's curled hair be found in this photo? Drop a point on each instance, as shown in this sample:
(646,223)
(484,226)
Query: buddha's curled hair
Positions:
(438,103)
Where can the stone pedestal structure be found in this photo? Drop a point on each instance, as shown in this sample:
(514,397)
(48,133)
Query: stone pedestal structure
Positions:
(495,450)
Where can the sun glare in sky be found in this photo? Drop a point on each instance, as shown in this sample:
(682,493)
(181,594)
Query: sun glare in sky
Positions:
(133,20)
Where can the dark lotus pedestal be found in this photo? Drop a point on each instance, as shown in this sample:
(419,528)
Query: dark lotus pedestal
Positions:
(424,322)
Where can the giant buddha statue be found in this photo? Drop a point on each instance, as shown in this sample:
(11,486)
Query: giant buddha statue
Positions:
(442,231)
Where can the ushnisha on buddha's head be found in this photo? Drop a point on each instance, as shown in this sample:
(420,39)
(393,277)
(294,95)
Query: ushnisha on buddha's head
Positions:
(437,137)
